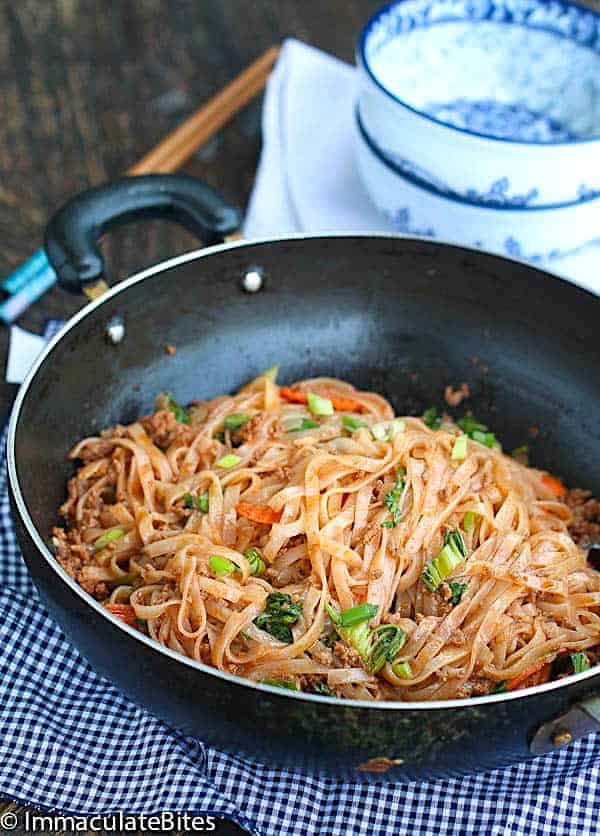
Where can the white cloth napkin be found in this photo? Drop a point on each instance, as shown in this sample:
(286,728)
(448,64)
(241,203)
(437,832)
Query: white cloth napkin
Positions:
(307,179)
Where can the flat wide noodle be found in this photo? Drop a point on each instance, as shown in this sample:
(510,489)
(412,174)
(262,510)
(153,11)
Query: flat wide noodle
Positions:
(162,513)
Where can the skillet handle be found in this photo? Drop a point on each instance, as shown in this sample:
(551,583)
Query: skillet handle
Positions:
(72,235)
(582,718)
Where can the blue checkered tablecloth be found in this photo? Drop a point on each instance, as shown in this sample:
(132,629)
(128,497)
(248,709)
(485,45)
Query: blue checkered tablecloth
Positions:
(70,741)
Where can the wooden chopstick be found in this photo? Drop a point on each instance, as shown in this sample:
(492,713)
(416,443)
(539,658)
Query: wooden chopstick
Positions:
(180,145)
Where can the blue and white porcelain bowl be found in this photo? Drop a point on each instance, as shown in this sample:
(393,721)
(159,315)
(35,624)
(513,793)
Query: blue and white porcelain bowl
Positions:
(496,101)
(535,234)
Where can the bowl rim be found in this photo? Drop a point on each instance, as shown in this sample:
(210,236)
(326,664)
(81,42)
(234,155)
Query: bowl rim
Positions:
(161,650)
(363,62)
(452,197)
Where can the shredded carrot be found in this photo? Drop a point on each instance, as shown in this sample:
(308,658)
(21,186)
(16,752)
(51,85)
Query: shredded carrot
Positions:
(258,513)
(123,611)
(538,673)
(339,404)
(553,484)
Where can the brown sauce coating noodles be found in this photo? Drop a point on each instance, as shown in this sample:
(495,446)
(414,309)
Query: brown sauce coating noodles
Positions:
(238,533)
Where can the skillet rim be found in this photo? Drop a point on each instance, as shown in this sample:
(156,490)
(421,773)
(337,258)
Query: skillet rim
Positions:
(50,559)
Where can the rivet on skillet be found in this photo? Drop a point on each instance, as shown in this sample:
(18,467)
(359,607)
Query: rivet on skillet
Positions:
(115,330)
(253,280)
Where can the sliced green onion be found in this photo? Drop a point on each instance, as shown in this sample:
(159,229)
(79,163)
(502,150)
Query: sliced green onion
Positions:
(352,424)
(388,641)
(459,451)
(305,424)
(380,430)
(469,520)
(254,558)
(281,683)
(457,589)
(230,460)
(318,405)
(470,425)
(108,537)
(235,421)
(478,432)
(403,670)
(580,662)
(396,426)
(499,688)
(362,612)
(431,418)
(188,500)
(221,566)
(271,373)
(452,555)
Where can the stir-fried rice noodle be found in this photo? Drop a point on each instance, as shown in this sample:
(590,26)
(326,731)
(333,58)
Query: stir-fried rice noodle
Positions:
(148,524)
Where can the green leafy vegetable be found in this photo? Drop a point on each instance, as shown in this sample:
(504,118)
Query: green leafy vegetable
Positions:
(289,684)
(221,566)
(235,421)
(469,520)
(230,460)
(305,424)
(500,688)
(200,503)
(181,414)
(392,500)
(402,669)
(457,589)
(280,611)
(459,451)
(318,405)
(254,558)
(321,687)
(108,537)
(352,424)
(580,662)
(452,555)
(431,418)
(388,640)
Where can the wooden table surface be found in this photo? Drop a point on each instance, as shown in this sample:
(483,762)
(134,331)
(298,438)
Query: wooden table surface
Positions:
(88,87)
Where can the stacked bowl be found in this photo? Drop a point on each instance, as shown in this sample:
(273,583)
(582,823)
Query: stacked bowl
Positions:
(478,121)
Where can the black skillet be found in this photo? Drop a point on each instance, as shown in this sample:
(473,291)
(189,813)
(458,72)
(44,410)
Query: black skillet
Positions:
(401,316)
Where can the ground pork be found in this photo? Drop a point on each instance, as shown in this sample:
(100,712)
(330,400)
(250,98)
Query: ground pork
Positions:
(585,524)
(74,556)
(163,429)
(475,688)
(247,432)
(347,656)
(321,654)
